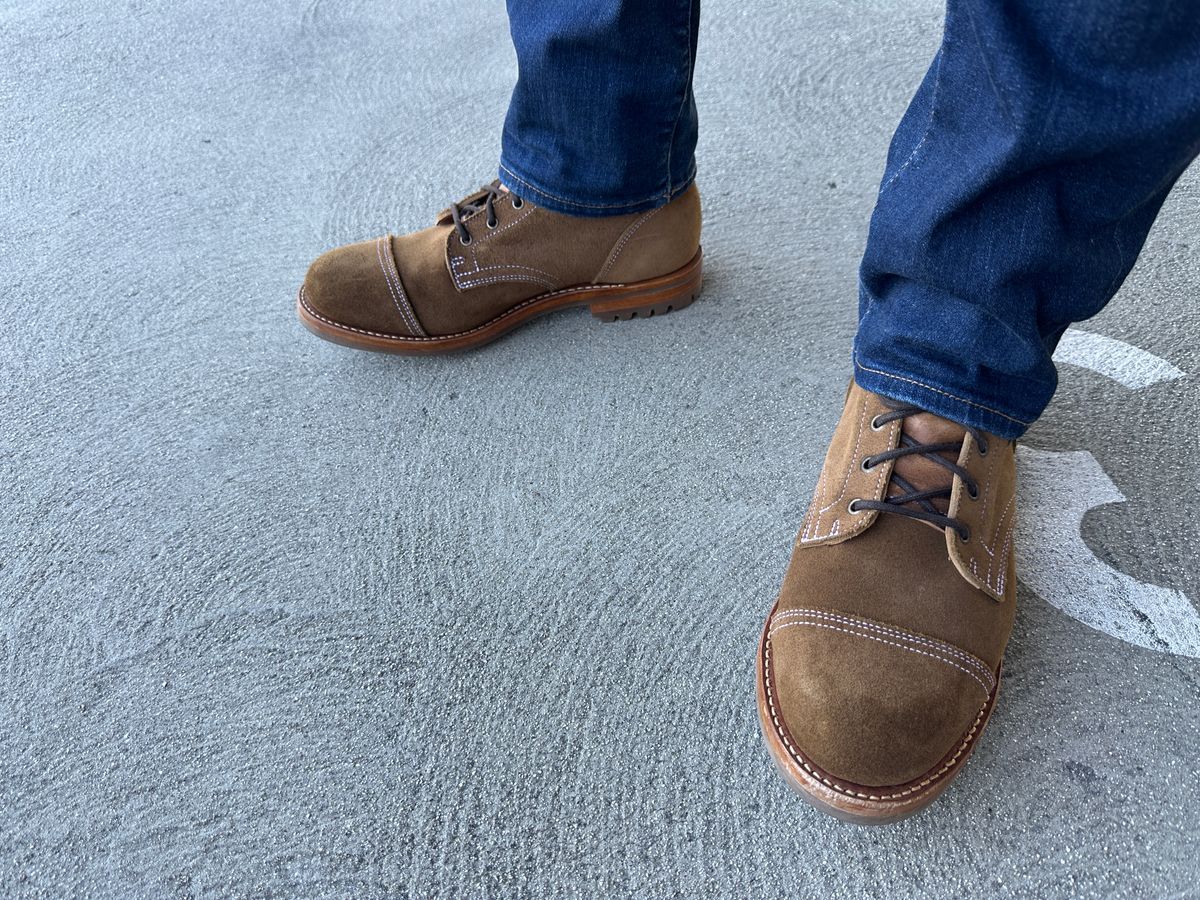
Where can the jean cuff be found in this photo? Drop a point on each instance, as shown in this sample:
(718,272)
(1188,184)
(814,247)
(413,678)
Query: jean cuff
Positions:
(938,399)
(523,185)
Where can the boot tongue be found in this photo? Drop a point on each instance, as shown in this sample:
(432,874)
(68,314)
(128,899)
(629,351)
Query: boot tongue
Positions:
(920,471)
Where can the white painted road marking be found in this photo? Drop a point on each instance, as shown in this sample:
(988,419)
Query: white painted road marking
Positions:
(1131,366)
(1056,491)
(1052,558)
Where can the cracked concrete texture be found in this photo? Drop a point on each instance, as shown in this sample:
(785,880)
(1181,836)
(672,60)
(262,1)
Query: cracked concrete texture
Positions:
(285,620)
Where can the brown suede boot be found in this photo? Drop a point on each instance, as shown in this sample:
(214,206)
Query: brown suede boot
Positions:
(494,261)
(879,664)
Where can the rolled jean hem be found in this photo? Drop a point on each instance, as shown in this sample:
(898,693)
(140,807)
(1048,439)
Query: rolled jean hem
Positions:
(521,185)
(949,404)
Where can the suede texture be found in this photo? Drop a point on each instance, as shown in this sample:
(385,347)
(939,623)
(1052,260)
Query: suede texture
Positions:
(442,286)
(883,651)
(349,286)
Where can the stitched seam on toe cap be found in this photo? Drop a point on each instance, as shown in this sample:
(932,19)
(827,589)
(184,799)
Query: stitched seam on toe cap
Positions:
(387,262)
(871,637)
(891,631)
(905,796)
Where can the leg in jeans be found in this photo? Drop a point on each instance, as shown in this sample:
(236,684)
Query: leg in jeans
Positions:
(595,205)
(1019,189)
(602,120)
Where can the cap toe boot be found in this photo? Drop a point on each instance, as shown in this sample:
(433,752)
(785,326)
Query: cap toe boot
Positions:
(880,661)
(492,262)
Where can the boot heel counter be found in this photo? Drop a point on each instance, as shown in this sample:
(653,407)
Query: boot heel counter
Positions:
(657,242)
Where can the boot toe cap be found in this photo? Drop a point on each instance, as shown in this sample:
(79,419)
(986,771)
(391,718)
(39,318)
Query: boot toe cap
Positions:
(872,704)
(348,287)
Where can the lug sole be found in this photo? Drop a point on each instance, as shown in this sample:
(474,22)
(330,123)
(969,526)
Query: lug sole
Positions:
(609,303)
(859,804)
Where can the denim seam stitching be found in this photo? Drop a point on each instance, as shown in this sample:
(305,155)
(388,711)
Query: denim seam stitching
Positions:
(936,390)
(987,68)
(937,84)
(682,102)
(655,197)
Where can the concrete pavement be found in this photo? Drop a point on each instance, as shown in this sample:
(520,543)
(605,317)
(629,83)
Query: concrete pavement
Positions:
(280,619)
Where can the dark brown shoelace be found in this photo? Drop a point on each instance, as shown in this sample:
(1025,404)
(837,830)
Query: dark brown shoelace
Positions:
(484,198)
(915,503)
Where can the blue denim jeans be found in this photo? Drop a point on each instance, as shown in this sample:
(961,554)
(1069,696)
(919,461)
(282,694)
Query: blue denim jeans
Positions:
(602,120)
(1019,188)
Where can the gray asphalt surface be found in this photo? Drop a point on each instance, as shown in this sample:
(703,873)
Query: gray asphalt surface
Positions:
(280,619)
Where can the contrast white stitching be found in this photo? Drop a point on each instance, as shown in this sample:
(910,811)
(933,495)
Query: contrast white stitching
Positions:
(396,288)
(488,235)
(496,279)
(991,551)
(811,536)
(404,339)
(887,629)
(850,468)
(460,277)
(456,261)
(912,636)
(1002,574)
(671,281)
(811,517)
(871,637)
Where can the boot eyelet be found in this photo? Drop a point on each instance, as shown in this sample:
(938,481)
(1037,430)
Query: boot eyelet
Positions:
(492,223)
(876,425)
(852,507)
(867,464)
(973,492)
(466,240)
(517,202)
(964,536)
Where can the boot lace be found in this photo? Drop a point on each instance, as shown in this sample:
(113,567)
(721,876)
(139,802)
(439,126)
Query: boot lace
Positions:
(914,503)
(485,198)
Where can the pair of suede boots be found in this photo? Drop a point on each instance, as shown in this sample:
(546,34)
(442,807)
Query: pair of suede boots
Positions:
(879,663)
